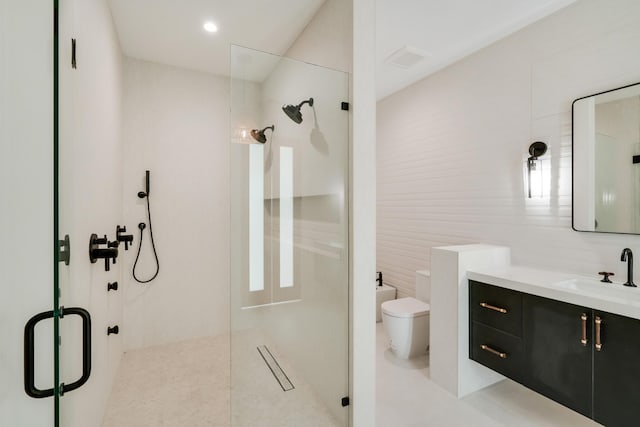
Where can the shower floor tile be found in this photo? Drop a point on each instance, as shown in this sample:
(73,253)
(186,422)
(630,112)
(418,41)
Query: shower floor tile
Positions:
(188,384)
(179,384)
(257,397)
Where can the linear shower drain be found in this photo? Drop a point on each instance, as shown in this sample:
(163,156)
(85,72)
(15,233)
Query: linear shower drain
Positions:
(275,368)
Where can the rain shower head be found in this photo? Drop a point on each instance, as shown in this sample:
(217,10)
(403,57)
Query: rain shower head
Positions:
(293,111)
(259,135)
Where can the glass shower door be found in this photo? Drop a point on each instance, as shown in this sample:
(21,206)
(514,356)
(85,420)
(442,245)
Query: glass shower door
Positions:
(26,262)
(289,242)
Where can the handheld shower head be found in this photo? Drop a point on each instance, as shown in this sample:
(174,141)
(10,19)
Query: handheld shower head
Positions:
(143,194)
(259,135)
(293,111)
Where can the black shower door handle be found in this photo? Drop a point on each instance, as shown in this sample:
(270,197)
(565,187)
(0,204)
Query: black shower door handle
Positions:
(86,348)
(29,352)
(29,370)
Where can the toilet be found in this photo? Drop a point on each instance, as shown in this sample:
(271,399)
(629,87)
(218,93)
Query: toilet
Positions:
(406,320)
(384,293)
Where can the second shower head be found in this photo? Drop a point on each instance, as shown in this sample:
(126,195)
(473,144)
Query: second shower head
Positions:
(259,135)
(293,111)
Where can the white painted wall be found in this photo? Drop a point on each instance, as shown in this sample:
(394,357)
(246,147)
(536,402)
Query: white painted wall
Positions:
(26,191)
(328,38)
(176,125)
(363,215)
(90,199)
(451,148)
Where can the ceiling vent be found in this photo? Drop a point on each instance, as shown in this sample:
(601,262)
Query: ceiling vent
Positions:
(406,57)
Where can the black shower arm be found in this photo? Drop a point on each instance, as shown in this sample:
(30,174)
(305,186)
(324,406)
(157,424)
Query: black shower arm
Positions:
(308,101)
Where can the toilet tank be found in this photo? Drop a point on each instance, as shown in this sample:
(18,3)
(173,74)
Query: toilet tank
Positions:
(423,285)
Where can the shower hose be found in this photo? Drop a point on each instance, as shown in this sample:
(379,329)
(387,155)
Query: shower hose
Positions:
(141,226)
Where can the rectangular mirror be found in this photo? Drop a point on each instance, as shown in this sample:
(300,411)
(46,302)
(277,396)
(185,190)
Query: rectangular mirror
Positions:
(606,161)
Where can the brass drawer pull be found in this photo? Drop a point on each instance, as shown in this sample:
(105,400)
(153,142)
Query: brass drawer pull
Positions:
(598,343)
(493,307)
(583,340)
(500,354)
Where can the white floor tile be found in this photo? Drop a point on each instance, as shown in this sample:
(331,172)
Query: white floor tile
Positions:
(406,397)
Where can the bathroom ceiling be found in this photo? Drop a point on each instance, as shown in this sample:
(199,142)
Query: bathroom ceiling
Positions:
(446,30)
(171,31)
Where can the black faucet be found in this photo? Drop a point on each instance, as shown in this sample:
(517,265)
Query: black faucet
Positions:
(627,255)
(379,279)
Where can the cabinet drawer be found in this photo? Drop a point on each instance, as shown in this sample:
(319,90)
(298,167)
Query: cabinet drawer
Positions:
(497,350)
(496,307)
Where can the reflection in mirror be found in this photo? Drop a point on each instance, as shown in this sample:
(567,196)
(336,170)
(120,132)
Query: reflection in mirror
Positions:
(606,161)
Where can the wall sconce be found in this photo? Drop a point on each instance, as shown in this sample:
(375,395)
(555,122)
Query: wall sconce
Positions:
(536,174)
(241,135)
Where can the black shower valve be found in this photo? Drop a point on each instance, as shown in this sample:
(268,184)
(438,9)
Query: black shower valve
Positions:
(127,239)
(113,330)
(111,256)
(108,253)
(112,286)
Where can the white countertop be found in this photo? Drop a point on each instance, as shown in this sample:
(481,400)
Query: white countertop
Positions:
(571,288)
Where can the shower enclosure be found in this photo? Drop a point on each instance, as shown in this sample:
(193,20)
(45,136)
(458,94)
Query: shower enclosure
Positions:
(289,242)
(85,116)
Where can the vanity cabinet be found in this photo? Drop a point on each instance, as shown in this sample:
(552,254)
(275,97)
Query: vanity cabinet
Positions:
(585,359)
(496,326)
(616,371)
(558,364)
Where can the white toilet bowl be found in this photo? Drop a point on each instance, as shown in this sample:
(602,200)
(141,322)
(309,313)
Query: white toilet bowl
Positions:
(406,323)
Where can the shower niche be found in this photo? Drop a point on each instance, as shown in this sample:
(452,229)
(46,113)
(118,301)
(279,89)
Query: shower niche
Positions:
(289,238)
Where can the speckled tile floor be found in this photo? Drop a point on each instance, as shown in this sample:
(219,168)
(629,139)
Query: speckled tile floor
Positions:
(188,384)
(179,384)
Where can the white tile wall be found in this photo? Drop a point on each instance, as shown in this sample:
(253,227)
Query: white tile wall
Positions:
(451,147)
(176,125)
(90,200)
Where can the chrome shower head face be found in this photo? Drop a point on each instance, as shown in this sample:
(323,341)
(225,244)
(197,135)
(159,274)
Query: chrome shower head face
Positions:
(293,111)
(259,135)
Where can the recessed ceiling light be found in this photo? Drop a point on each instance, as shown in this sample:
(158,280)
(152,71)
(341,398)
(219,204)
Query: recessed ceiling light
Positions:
(210,27)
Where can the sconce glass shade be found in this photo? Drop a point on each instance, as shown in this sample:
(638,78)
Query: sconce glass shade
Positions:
(537,177)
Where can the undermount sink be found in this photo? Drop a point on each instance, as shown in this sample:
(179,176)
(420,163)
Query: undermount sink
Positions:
(588,285)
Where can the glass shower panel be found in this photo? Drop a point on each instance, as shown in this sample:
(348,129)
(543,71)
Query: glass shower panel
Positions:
(289,242)
(26,264)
